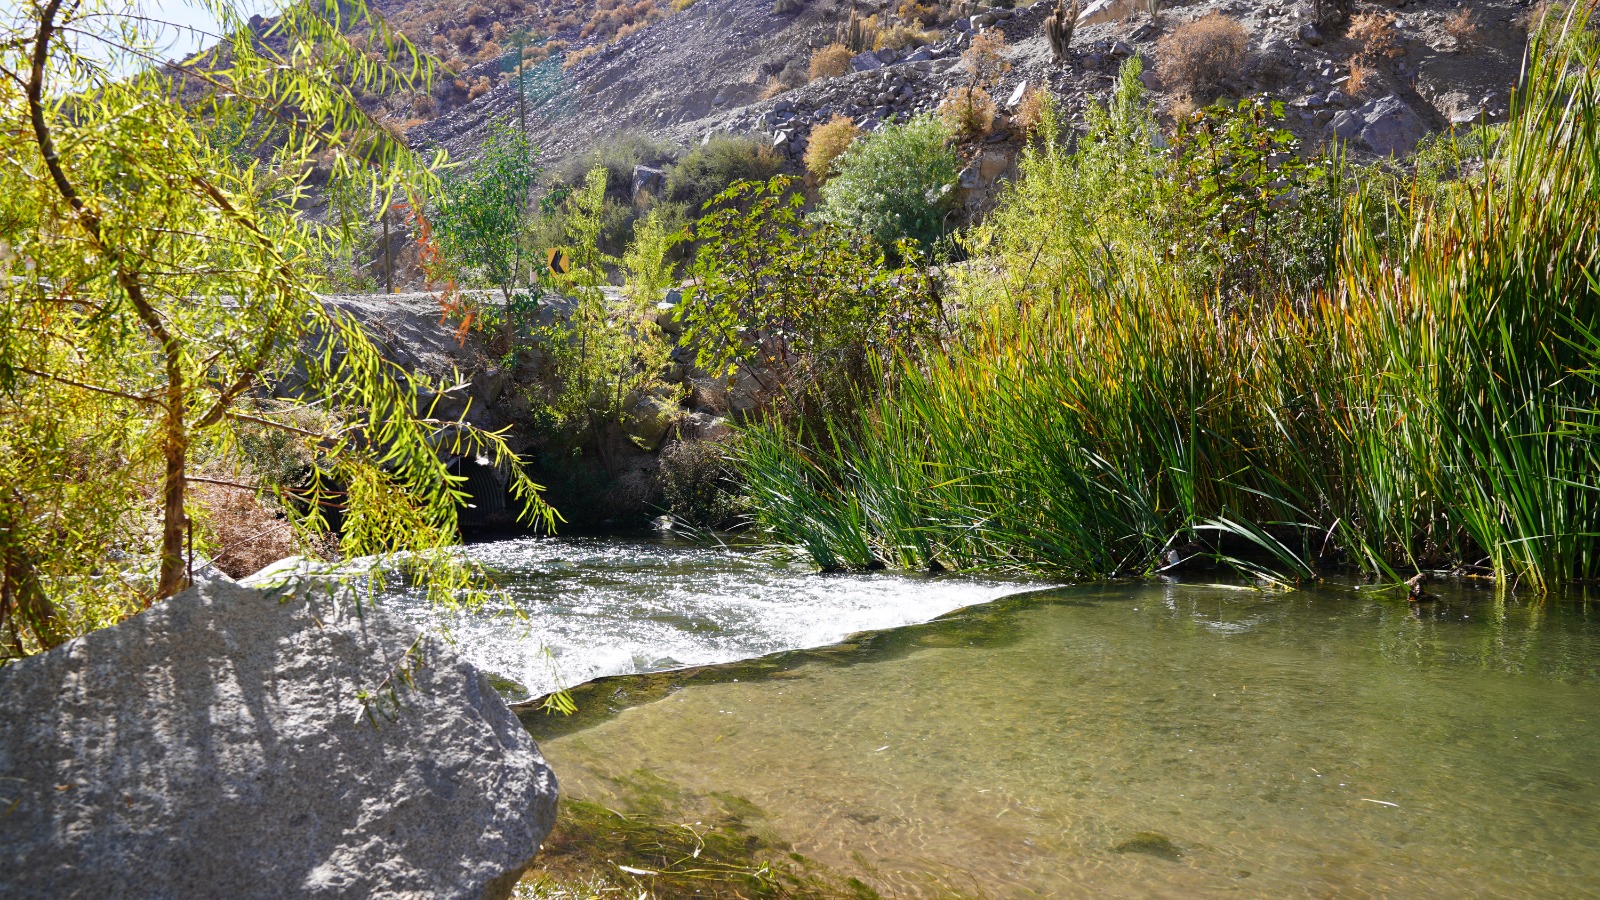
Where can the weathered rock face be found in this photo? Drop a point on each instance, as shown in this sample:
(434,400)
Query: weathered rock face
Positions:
(218,746)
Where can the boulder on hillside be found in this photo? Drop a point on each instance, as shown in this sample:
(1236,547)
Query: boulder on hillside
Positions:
(1386,126)
(1099,12)
(234,742)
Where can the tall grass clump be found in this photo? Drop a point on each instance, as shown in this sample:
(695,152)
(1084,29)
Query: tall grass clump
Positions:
(1415,386)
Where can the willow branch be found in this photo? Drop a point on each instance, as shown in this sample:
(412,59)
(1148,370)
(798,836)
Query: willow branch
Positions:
(90,387)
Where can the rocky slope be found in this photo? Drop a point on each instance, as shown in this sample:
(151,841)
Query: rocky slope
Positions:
(738,67)
(704,71)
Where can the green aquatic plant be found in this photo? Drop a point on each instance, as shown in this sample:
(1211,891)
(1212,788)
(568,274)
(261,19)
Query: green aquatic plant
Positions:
(596,851)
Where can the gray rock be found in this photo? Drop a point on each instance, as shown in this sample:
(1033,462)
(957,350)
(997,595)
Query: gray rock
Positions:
(218,745)
(992,164)
(864,62)
(1388,127)
(648,419)
(1099,12)
(1310,35)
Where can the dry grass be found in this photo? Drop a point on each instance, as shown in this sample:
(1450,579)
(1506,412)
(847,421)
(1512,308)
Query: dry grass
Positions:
(920,13)
(1376,34)
(1463,26)
(828,142)
(830,62)
(1029,114)
(899,37)
(245,535)
(773,88)
(968,112)
(1197,56)
(479,87)
(1364,78)
(579,55)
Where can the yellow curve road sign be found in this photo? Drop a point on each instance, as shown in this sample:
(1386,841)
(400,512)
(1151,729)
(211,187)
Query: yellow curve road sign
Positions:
(559,263)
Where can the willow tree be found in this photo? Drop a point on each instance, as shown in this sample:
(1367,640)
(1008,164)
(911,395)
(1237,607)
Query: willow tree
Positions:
(156,294)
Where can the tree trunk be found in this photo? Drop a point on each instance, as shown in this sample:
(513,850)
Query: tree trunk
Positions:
(175,452)
(388,257)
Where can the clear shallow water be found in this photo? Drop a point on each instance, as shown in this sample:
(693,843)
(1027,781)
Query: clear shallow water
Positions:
(1145,740)
(609,606)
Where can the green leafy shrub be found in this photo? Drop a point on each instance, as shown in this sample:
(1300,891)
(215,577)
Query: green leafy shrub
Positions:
(808,309)
(481,219)
(1247,214)
(600,355)
(709,168)
(895,184)
(700,484)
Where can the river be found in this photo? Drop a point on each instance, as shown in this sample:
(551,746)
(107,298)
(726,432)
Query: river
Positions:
(1130,739)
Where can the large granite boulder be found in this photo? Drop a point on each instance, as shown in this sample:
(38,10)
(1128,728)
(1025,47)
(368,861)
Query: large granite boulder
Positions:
(1386,126)
(235,742)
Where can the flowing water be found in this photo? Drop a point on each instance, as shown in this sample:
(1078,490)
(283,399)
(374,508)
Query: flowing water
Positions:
(575,609)
(1140,740)
(1133,739)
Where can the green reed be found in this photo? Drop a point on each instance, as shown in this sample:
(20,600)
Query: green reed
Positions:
(1434,406)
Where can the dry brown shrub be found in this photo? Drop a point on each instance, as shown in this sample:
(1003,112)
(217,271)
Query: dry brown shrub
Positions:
(245,534)
(1029,113)
(1376,34)
(830,62)
(1197,56)
(773,88)
(1463,26)
(490,51)
(464,38)
(828,142)
(1182,108)
(985,58)
(899,37)
(479,88)
(920,13)
(423,105)
(968,112)
(476,14)
(579,55)
(1364,78)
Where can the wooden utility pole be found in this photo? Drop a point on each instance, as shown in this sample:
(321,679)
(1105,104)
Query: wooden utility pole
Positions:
(522,86)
